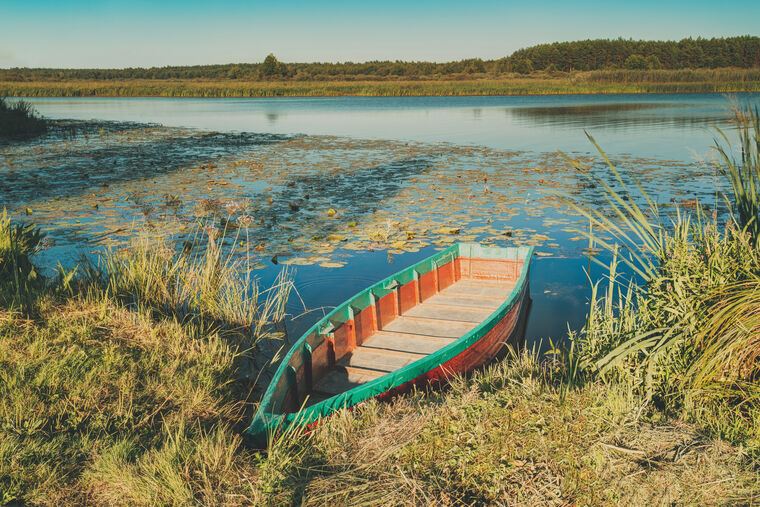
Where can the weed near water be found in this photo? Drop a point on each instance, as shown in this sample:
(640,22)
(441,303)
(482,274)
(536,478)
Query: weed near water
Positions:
(126,388)
(18,119)
(18,243)
(687,335)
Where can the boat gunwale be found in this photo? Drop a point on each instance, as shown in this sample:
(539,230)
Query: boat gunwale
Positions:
(267,420)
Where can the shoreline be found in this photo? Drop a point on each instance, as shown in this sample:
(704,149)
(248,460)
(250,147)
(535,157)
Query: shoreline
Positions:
(540,85)
(336,96)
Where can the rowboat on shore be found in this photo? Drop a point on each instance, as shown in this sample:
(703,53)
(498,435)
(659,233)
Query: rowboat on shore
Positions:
(444,315)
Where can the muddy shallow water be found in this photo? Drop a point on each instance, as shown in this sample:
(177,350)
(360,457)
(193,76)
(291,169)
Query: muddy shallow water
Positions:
(343,211)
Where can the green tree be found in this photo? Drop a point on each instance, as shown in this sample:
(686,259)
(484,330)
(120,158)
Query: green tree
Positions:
(523,66)
(271,66)
(234,72)
(653,63)
(636,62)
(475,66)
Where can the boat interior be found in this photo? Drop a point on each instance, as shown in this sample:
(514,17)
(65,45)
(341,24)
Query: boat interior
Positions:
(398,321)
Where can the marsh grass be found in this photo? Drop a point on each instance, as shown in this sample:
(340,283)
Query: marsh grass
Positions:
(204,282)
(744,174)
(685,334)
(20,277)
(18,119)
(540,83)
(130,385)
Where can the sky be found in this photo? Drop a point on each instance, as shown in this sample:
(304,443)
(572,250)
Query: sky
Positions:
(142,33)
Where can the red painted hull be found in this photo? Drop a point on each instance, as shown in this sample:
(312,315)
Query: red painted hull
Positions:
(507,330)
(322,361)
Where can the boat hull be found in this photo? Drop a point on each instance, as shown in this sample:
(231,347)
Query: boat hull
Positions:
(327,368)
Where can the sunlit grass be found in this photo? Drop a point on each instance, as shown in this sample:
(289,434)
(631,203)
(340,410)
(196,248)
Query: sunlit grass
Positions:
(540,83)
(130,381)
(505,436)
(686,335)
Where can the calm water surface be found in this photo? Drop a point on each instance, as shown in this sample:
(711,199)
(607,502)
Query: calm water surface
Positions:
(675,131)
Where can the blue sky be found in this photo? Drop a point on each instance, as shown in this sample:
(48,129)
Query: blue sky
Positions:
(123,33)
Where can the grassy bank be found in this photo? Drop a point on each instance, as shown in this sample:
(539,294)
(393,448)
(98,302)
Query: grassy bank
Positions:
(109,406)
(619,81)
(128,381)
(686,337)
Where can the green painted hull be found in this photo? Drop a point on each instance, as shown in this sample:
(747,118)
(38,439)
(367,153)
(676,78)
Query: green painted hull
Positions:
(280,407)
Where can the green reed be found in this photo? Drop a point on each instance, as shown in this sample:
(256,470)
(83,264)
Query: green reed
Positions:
(686,336)
(18,119)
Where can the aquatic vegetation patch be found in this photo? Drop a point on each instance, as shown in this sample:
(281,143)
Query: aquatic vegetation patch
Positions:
(304,199)
(18,120)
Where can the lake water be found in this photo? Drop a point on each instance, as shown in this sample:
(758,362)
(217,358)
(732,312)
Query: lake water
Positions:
(664,126)
(396,170)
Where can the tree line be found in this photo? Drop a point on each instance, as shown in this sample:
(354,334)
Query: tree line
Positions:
(587,55)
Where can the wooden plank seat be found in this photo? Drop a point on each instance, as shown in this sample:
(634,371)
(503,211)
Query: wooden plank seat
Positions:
(421,330)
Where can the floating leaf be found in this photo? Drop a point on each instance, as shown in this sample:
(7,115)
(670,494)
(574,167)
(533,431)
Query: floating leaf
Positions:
(332,264)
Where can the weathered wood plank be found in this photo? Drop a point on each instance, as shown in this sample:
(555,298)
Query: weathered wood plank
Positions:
(341,379)
(468,288)
(379,359)
(429,327)
(431,310)
(417,344)
(486,283)
(467,301)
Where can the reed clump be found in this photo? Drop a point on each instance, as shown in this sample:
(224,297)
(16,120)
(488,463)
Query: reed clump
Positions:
(18,119)
(18,244)
(685,333)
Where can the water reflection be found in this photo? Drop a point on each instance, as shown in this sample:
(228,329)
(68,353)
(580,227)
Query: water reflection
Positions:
(618,117)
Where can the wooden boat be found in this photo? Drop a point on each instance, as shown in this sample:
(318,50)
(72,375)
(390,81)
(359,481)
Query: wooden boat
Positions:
(446,314)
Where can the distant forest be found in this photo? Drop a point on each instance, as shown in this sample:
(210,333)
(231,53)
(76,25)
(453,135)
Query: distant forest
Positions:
(587,55)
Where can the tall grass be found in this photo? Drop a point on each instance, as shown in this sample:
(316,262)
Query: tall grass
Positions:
(200,282)
(688,336)
(131,386)
(19,119)
(541,83)
(744,174)
(19,277)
